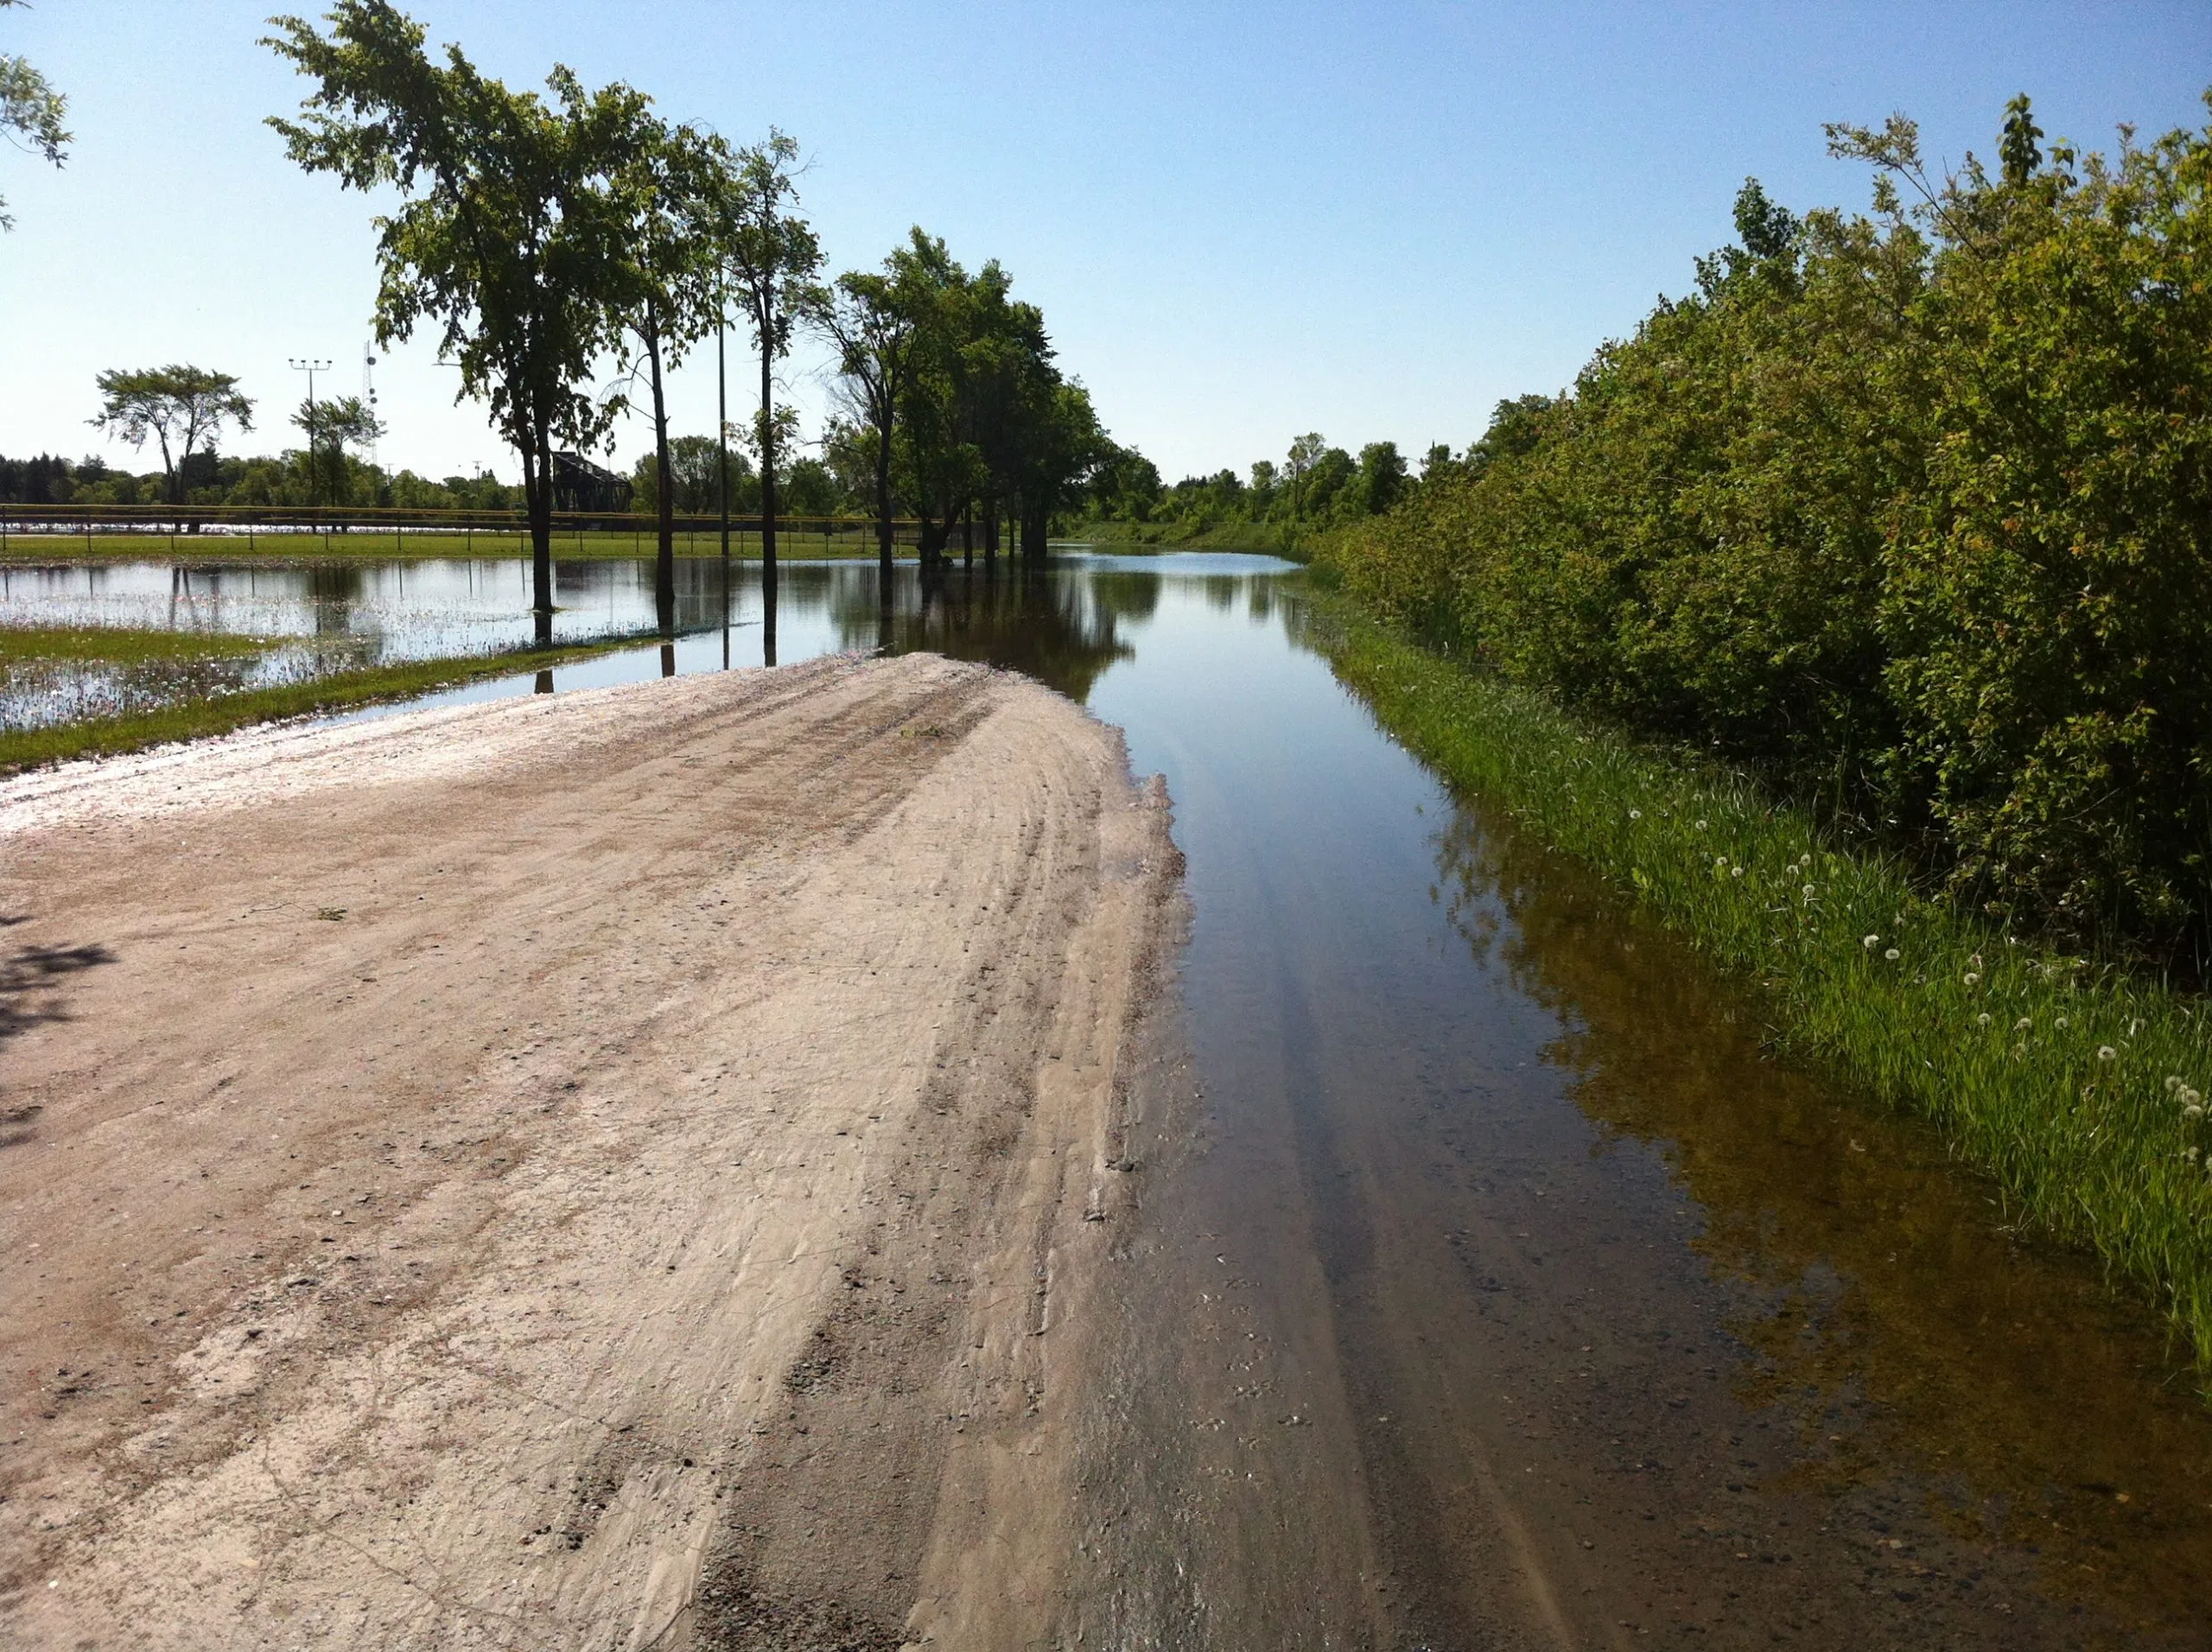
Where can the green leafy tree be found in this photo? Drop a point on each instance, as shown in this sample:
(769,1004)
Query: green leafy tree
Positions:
(770,261)
(874,319)
(332,425)
(31,111)
(671,186)
(508,238)
(182,407)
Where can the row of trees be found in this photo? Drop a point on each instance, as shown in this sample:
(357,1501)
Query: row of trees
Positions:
(1912,511)
(541,235)
(1317,486)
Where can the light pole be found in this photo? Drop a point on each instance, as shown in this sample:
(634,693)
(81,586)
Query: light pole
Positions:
(310,367)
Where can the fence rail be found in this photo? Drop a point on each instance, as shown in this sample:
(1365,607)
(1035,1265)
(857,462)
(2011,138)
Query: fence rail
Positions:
(226,520)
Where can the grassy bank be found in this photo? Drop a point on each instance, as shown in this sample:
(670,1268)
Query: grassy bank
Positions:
(48,548)
(195,718)
(2073,1085)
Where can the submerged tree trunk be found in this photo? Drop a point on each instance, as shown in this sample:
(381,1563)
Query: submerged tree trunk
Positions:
(990,535)
(664,500)
(1036,525)
(768,488)
(538,501)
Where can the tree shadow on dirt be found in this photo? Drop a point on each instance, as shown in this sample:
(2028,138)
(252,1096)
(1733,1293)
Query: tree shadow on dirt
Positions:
(31,982)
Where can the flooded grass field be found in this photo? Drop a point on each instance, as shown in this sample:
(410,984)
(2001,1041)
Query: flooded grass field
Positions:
(1595,1325)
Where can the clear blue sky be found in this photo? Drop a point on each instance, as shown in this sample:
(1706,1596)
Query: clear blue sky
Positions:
(1242,222)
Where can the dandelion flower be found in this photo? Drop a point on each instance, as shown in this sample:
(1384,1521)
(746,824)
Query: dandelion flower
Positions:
(2060,1023)
(2190,1153)
(1871,942)
(2024,1024)
(2106,1053)
(2192,1114)
(1972,980)
(1700,825)
(1721,862)
(1809,892)
(1735,872)
(1982,1019)
(2173,1082)
(1636,813)
(2189,1097)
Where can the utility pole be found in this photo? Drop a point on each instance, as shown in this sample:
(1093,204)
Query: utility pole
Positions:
(722,422)
(310,367)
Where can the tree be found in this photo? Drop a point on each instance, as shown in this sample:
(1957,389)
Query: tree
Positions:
(673,184)
(182,407)
(873,318)
(509,235)
(31,111)
(771,258)
(1304,451)
(332,425)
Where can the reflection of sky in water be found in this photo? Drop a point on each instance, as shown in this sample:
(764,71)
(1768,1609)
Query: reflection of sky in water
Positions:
(332,617)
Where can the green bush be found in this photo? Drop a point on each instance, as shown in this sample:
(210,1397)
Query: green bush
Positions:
(1911,514)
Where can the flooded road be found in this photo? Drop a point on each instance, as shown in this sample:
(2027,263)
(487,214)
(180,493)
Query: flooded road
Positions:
(1506,1293)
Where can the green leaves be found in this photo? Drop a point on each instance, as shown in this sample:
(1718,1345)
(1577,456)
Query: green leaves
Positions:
(1915,518)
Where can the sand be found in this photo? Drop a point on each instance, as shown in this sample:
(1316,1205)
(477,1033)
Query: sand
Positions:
(631,1168)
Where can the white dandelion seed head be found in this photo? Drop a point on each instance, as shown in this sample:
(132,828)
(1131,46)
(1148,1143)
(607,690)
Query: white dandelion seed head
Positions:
(1636,813)
(1982,1019)
(1809,892)
(2189,1097)
(2106,1053)
(2024,1024)
(2192,1114)
(2173,1082)
(1871,942)
(1975,961)
(1700,825)
(2060,1023)
(1972,980)
(1892,954)
(2190,1153)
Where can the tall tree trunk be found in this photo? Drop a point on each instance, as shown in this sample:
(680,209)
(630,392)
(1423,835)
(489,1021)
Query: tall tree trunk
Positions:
(665,489)
(1036,523)
(768,479)
(883,512)
(991,534)
(538,499)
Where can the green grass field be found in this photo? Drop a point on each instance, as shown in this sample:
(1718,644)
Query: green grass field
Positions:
(220,713)
(289,546)
(2076,1085)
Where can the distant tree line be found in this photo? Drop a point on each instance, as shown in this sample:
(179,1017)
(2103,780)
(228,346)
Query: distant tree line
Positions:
(1314,487)
(1911,513)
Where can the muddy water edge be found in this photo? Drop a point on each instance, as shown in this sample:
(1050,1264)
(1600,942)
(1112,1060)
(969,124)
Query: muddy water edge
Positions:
(1491,1286)
(1522,1299)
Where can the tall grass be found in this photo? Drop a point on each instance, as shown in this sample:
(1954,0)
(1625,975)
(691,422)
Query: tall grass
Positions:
(2074,1084)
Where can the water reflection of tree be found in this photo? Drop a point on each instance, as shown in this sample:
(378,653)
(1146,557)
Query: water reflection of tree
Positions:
(1057,627)
(1903,1317)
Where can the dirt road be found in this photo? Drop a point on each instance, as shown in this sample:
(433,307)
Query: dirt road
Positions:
(619,1170)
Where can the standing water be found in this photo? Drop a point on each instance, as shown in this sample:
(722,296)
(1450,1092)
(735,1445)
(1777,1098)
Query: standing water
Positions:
(1518,1297)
